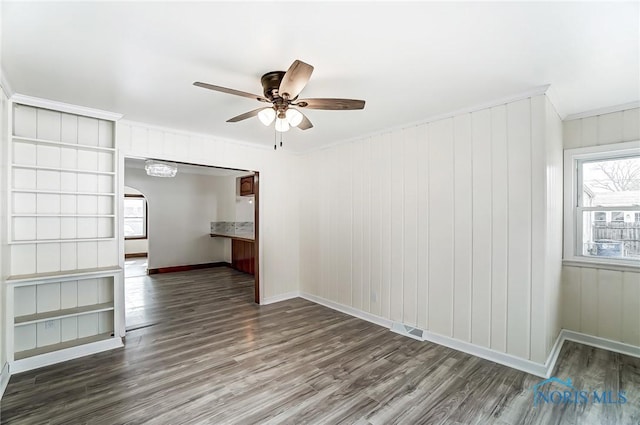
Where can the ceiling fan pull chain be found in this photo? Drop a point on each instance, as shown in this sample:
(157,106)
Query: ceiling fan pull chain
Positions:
(280,139)
(275,139)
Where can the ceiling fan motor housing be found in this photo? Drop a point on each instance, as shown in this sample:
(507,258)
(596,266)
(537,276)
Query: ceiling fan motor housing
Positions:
(271,84)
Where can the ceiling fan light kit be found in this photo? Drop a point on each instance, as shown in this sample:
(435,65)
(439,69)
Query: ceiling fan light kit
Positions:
(281,89)
(282,125)
(267,115)
(294,117)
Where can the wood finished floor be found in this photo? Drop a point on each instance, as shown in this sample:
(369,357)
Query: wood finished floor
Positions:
(213,357)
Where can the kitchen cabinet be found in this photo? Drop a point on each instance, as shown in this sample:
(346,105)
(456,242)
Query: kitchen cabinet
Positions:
(246,186)
(243,256)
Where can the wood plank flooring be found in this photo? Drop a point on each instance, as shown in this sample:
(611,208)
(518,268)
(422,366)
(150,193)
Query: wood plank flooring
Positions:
(214,357)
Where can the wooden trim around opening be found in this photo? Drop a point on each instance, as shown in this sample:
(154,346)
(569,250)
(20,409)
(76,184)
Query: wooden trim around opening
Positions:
(136,255)
(187,268)
(256,235)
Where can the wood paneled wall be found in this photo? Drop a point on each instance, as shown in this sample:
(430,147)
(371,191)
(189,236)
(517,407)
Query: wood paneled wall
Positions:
(438,226)
(604,303)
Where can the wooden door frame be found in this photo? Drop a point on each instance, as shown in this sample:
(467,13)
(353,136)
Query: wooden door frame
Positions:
(256,233)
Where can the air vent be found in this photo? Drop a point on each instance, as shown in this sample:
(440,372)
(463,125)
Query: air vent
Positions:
(406,330)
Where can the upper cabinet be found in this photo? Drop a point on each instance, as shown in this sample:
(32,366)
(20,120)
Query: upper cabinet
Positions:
(246,186)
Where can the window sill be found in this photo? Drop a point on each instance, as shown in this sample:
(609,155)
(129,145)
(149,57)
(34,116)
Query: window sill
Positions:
(134,238)
(602,264)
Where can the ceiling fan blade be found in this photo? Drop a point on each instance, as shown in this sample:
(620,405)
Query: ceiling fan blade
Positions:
(230,91)
(331,104)
(294,80)
(305,124)
(245,115)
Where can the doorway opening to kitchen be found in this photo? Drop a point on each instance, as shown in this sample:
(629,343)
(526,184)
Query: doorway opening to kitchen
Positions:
(200,231)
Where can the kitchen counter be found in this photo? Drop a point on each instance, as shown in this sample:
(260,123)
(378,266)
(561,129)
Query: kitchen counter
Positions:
(240,236)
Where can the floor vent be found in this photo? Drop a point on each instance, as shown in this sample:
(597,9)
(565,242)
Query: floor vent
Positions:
(406,330)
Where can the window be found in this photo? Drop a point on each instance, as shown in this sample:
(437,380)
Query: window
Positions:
(602,204)
(135,217)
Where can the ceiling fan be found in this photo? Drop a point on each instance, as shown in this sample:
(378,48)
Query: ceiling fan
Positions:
(281,90)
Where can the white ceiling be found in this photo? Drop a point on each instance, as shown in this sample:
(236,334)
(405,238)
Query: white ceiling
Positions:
(409,61)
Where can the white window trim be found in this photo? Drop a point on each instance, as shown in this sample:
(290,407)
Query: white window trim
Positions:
(571,194)
(144,217)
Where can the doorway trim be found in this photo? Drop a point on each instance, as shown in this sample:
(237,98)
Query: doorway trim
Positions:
(258,285)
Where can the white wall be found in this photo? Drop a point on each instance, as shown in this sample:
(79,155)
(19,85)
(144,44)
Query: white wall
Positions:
(279,254)
(451,226)
(180,211)
(135,246)
(597,301)
(244,208)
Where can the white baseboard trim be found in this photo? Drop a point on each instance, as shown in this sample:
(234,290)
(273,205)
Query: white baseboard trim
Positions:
(596,341)
(4,379)
(528,366)
(499,357)
(381,321)
(59,356)
(280,297)
(552,358)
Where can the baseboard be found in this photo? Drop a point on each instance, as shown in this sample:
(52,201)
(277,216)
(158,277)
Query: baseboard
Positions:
(552,358)
(524,365)
(135,255)
(528,366)
(187,268)
(538,369)
(4,379)
(59,356)
(381,321)
(281,297)
(597,342)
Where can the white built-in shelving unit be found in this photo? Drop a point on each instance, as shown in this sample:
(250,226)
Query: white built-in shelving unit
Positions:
(61,297)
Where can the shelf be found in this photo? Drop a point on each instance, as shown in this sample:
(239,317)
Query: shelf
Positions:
(62,144)
(40,278)
(63,215)
(61,314)
(68,170)
(27,242)
(60,192)
(61,345)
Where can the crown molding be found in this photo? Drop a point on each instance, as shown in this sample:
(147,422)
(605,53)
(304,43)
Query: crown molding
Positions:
(4,83)
(602,111)
(65,107)
(535,91)
(188,133)
(553,97)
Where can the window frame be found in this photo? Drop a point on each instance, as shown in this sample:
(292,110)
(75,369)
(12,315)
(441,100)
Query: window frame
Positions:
(573,211)
(146,218)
